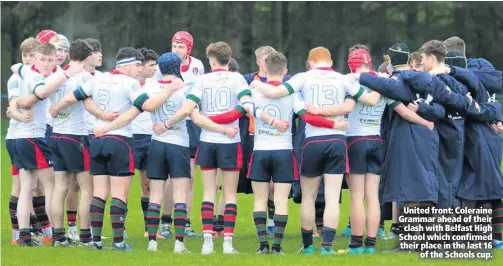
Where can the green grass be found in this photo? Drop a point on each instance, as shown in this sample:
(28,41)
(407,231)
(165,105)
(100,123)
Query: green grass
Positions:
(245,240)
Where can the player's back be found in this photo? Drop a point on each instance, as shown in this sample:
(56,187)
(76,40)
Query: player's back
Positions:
(365,120)
(323,87)
(267,137)
(13,89)
(142,124)
(218,93)
(36,128)
(113,93)
(72,119)
(90,119)
(176,134)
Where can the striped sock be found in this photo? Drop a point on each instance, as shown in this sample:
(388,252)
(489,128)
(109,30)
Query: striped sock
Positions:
(497,220)
(260,219)
(180,220)
(230,213)
(118,217)
(59,234)
(24,235)
(356,241)
(328,237)
(72,218)
(97,211)
(85,235)
(12,212)
(280,222)
(207,217)
(39,207)
(34,224)
(153,213)
(166,219)
(144,207)
(307,237)
(270,209)
(370,241)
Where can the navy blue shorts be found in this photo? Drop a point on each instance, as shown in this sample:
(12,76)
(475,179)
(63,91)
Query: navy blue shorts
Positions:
(280,166)
(112,155)
(141,147)
(324,155)
(70,152)
(366,154)
(166,159)
(194,136)
(11,151)
(48,132)
(218,155)
(32,153)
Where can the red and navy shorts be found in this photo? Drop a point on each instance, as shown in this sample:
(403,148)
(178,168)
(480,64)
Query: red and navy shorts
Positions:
(366,154)
(112,155)
(32,154)
(280,166)
(70,152)
(324,155)
(218,155)
(10,149)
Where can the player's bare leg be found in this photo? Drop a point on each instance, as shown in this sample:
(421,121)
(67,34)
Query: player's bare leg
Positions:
(27,181)
(309,187)
(180,185)
(13,202)
(395,225)
(62,185)
(167,210)
(218,219)
(46,177)
(145,194)
(333,185)
(373,210)
(157,195)
(270,210)
(356,184)
(72,202)
(85,183)
(190,197)
(207,208)
(119,191)
(230,181)
(261,196)
(101,190)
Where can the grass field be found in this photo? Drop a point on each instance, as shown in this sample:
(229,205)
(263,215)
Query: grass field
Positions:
(245,240)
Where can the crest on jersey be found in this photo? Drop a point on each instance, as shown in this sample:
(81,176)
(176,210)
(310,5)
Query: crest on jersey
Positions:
(195,70)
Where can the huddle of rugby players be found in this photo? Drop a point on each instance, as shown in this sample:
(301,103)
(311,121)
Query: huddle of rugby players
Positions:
(422,131)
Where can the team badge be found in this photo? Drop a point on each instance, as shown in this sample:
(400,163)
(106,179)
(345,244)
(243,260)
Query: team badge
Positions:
(195,70)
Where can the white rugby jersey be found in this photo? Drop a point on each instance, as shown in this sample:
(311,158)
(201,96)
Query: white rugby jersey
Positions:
(365,120)
(267,137)
(218,92)
(32,79)
(56,69)
(142,124)
(72,119)
(112,93)
(323,87)
(177,134)
(89,118)
(13,90)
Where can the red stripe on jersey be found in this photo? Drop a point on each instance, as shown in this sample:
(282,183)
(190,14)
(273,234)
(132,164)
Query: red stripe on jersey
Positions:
(324,68)
(66,67)
(40,159)
(184,68)
(219,69)
(117,72)
(274,83)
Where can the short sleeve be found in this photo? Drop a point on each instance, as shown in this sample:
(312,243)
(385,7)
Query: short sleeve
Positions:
(298,104)
(392,103)
(84,91)
(296,83)
(14,86)
(37,82)
(196,91)
(353,88)
(242,87)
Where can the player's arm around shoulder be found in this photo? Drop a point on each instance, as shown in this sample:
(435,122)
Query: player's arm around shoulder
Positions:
(270,91)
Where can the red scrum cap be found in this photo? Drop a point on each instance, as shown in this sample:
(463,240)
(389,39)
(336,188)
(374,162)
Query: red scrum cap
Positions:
(358,58)
(185,37)
(45,36)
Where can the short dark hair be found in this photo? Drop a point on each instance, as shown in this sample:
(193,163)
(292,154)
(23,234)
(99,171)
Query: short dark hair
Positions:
(383,68)
(220,51)
(359,46)
(46,49)
(455,44)
(435,48)
(233,65)
(415,56)
(79,50)
(128,52)
(148,55)
(276,63)
(95,44)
